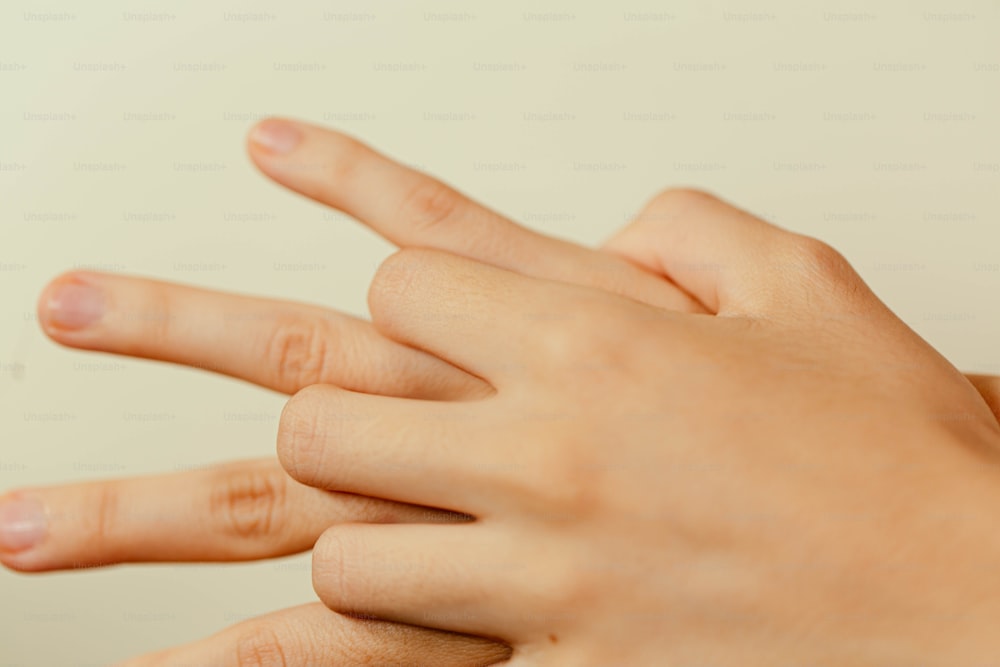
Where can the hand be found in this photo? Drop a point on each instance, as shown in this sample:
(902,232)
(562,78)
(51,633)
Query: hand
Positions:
(248,510)
(251,509)
(801,475)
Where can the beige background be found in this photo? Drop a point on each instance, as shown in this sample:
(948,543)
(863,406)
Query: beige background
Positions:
(872,125)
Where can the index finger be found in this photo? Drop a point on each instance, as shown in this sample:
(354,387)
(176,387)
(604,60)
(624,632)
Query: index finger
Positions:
(412,209)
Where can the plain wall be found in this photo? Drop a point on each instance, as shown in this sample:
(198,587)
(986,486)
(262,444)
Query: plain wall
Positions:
(872,125)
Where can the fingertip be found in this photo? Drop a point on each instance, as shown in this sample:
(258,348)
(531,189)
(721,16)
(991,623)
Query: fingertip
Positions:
(45,296)
(273,136)
(24,528)
(70,302)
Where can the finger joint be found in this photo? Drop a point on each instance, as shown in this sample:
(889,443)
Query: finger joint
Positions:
(298,350)
(260,646)
(249,502)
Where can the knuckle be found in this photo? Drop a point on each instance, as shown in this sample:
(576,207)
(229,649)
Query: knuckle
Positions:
(563,346)
(429,205)
(664,210)
(572,587)
(346,154)
(394,281)
(258,645)
(298,350)
(155,318)
(582,341)
(249,502)
(673,202)
(106,514)
(329,571)
(567,491)
(818,261)
(107,505)
(301,432)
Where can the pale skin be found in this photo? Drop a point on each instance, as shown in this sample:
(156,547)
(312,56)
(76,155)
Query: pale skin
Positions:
(251,510)
(800,474)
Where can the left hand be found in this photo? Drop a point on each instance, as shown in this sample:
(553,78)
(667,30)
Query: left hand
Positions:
(249,509)
(799,479)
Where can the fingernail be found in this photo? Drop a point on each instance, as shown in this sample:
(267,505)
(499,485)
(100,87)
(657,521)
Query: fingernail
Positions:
(277,136)
(22,524)
(74,306)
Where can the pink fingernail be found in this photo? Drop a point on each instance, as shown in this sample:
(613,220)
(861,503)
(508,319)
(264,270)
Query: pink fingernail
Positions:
(74,306)
(22,524)
(277,136)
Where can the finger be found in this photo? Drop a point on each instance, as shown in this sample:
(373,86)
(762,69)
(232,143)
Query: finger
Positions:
(280,345)
(312,635)
(410,208)
(728,259)
(240,511)
(401,449)
(458,580)
(493,323)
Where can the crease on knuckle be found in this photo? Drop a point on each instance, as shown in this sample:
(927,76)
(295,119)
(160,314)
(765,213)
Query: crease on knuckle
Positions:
(346,155)
(429,205)
(249,502)
(299,350)
(106,516)
(154,320)
(258,645)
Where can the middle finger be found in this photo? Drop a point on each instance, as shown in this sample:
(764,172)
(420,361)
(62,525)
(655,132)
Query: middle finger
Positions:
(276,344)
(239,511)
